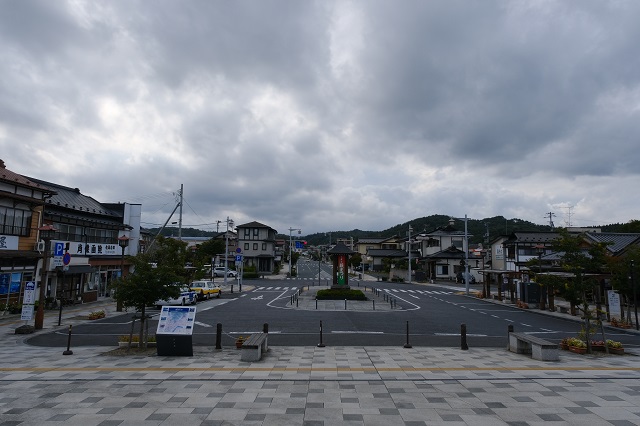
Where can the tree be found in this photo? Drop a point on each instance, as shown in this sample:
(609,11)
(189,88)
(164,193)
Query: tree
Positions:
(621,276)
(585,262)
(157,275)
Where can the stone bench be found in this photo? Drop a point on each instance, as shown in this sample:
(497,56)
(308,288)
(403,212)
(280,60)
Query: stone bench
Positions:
(538,348)
(254,347)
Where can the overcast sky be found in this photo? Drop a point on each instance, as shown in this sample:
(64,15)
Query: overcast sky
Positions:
(328,115)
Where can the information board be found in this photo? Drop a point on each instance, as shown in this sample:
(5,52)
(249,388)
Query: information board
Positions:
(176,320)
(614,303)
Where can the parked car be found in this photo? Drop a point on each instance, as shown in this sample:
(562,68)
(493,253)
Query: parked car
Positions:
(186,297)
(460,278)
(219,271)
(205,289)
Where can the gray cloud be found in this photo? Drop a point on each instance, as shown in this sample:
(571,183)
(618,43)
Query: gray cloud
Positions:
(327,115)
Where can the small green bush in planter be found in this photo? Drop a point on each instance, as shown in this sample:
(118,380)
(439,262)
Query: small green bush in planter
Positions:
(340,294)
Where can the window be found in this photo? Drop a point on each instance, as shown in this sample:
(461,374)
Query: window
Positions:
(14,221)
(264,246)
(256,232)
(246,246)
(442,269)
(255,246)
(247,232)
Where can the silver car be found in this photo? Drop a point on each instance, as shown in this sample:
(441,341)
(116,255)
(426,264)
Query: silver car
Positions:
(219,271)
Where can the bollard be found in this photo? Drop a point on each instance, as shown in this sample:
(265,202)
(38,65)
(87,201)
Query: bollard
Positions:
(265,328)
(345,304)
(68,351)
(296,302)
(321,345)
(231,288)
(374,304)
(407,345)
(395,303)
(316,304)
(131,334)
(463,337)
(218,336)
(509,331)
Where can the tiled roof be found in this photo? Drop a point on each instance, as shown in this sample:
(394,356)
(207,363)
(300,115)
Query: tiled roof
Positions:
(448,253)
(386,253)
(72,199)
(533,237)
(16,179)
(254,224)
(618,241)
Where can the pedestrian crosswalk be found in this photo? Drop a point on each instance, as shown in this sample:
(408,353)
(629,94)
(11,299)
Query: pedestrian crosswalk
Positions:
(399,290)
(388,290)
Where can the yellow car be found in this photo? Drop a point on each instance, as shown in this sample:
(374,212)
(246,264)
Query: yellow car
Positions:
(205,289)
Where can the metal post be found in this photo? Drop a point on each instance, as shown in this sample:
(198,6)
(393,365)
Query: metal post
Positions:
(68,351)
(635,298)
(60,308)
(265,328)
(463,337)
(321,345)
(509,331)
(345,304)
(218,336)
(408,345)
(374,304)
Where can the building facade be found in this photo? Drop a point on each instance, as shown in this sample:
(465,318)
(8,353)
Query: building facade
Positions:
(257,244)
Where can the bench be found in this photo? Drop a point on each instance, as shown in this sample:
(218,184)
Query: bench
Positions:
(254,347)
(563,309)
(538,348)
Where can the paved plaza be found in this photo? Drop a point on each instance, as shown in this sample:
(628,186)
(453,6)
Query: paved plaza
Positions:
(308,385)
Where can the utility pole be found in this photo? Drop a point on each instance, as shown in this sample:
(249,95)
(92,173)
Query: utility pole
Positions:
(290,240)
(466,256)
(226,251)
(180,217)
(409,250)
(550,216)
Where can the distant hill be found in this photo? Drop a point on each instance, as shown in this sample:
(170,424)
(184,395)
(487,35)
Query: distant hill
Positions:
(477,228)
(497,225)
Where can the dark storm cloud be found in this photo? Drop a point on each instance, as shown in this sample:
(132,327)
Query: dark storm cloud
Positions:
(326,115)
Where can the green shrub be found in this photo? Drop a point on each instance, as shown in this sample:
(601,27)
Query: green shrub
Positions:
(340,294)
(135,337)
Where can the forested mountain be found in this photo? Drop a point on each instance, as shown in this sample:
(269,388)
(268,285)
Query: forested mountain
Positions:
(477,228)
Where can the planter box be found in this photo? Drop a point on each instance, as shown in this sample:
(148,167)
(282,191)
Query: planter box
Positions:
(135,344)
(577,350)
(616,351)
(598,348)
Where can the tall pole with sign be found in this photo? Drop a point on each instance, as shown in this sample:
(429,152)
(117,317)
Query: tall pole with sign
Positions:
(290,241)
(46,233)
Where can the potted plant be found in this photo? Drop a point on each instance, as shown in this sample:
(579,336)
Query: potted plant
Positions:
(598,346)
(615,347)
(97,315)
(239,341)
(576,345)
(620,323)
(564,344)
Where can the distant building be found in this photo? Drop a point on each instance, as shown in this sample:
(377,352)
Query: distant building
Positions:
(258,244)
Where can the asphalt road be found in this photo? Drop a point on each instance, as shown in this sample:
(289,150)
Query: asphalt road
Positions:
(434,316)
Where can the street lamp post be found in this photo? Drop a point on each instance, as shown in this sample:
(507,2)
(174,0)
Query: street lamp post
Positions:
(123,242)
(226,250)
(46,233)
(290,230)
(540,249)
(409,250)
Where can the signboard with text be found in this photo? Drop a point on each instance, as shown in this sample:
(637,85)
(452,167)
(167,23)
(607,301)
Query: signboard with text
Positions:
(176,320)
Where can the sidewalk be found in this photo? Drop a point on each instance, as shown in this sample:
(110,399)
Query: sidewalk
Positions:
(308,385)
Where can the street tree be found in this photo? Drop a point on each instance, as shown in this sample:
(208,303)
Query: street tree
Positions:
(585,262)
(624,277)
(156,275)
